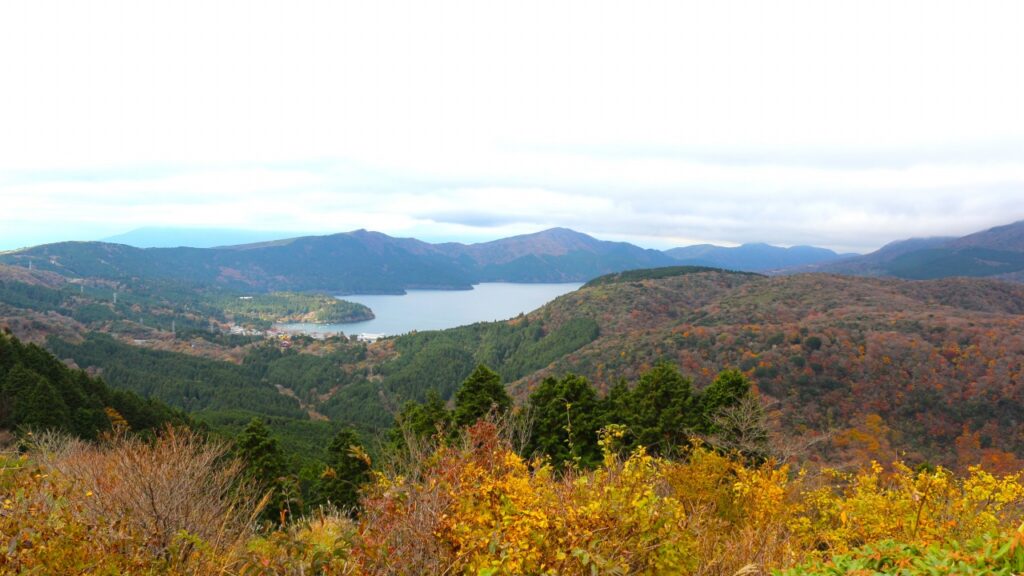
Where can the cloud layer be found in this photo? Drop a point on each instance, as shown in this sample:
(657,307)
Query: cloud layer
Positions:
(832,123)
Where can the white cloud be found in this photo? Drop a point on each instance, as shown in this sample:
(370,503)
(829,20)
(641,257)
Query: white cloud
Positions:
(839,123)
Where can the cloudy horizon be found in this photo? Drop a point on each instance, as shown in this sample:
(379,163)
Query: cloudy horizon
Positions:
(662,123)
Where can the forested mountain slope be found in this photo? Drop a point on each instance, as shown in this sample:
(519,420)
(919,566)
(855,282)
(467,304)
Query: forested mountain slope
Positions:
(997,252)
(38,391)
(932,368)
(753,257)
(353,262)
(925,363)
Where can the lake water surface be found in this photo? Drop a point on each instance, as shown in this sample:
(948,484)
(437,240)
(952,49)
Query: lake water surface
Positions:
(439,309)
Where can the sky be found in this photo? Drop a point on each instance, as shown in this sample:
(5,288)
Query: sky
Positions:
(664,123)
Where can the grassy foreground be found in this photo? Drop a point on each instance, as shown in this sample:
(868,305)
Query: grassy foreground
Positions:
(177,505)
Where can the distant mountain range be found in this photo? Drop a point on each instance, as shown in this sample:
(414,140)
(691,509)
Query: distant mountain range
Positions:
(352,262)
(753,257)
(497,256)
(372,262)
(997,252)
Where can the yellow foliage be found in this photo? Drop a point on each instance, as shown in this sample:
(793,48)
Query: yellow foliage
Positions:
(915,507)
(502,515)
(478,508)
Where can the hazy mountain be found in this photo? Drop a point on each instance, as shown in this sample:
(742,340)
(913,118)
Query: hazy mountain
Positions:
(997,252)
(1009,238)
(874,263)
(753,257)
(359,261)
(346,263)
(163,237)
(555,255)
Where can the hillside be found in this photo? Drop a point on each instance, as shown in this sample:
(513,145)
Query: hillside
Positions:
(935,360)
(354,262)
(1009,238)
(910,374)
(556,255)
(369,262)
(38,391)
(923,364)
(997,252)
(753,257)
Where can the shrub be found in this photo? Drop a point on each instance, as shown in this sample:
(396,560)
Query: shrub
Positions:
(173,504)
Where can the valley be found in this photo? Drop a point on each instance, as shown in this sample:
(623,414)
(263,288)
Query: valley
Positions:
(826,371)
(482,288)
(931,363)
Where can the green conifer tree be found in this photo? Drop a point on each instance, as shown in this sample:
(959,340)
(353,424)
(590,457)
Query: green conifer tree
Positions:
(728,389)
(565,418)
(264,463)
(481,392)
(422,420)
(663,409)
(33,401)
(348,468)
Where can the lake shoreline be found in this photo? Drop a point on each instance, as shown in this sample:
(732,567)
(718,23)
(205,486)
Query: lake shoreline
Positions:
(435,309)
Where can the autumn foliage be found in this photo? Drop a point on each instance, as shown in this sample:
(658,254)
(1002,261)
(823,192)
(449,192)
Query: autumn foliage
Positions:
(175,505)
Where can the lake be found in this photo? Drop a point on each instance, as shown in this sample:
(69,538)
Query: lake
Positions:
(439,309)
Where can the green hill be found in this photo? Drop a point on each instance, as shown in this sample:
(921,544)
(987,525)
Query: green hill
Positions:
(38,391)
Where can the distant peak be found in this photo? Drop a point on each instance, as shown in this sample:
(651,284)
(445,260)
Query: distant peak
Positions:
(567,232)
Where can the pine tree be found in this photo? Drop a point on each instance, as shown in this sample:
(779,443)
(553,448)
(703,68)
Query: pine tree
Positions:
(426,419)
(728,389)
(565,420)
(663,411)
(479,394)
(264,463)
(348,468)
(33,401)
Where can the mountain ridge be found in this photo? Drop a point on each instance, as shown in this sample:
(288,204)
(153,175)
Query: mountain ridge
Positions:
(364,261)
(997,252)
(358,261)
(753,257)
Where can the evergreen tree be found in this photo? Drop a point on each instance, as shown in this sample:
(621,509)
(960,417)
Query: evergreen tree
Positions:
(566,418)
(38,390)
(662,409)
(615,406)
(422,420)
(264,463)
(263,458)
(479,393)
(348,468)
(728,389)
(426,419)
(34,401)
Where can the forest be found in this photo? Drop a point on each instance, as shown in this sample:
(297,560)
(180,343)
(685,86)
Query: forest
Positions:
(842,396)
(465,490)
(921,365)
(293,307)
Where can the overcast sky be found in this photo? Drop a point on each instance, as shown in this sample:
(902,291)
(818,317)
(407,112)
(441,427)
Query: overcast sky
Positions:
(842,124)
